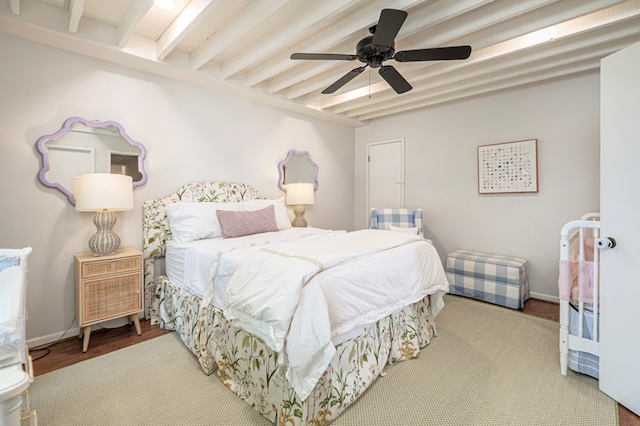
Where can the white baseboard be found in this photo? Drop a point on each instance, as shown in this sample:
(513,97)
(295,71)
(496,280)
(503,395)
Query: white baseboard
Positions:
(546,297)
(50,338)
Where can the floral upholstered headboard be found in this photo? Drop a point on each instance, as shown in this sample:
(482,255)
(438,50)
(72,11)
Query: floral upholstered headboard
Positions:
(155,227)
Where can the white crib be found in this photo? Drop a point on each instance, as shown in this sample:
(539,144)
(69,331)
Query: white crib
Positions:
(579,285)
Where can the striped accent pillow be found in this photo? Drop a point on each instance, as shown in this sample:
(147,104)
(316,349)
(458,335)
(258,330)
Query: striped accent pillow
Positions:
(238,224)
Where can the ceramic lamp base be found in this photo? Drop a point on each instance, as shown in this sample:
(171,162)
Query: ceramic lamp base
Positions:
(104,242)
(299,221)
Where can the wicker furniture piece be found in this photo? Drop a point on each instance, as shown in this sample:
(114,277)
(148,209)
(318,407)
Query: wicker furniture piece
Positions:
(107,287)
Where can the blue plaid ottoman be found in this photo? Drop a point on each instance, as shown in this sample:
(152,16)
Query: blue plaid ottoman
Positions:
(502,280)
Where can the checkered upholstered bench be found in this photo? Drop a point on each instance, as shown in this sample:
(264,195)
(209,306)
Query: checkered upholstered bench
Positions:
(502,280)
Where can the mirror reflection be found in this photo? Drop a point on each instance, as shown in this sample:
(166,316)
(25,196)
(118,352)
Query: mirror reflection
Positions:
(82,146)
(297,167)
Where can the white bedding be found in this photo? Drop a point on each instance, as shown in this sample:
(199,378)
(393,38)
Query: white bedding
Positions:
(299,295)
(294,308)
(194,265)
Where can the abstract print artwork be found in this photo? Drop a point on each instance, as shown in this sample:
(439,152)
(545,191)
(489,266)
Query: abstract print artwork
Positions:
(508,167)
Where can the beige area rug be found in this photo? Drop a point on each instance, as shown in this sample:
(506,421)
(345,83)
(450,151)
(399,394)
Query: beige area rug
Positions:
(488,366)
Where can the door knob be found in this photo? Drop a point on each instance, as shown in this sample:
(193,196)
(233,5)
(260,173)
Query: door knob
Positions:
(605,243)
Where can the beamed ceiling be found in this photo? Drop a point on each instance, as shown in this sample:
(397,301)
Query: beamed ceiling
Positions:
(244,46)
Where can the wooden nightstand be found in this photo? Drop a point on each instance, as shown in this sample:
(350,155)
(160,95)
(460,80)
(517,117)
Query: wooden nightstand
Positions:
(107,287)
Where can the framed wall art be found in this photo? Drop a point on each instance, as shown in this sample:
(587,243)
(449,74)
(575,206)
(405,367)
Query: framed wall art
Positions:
(509,167)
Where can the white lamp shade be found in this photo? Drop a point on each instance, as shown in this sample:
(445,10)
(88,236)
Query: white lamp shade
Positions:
(300,193)
(103,191)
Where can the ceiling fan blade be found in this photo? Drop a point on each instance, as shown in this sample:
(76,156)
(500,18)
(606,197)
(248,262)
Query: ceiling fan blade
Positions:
(388,26)
(434,54)
(343,80)
(395,80)
(325,56)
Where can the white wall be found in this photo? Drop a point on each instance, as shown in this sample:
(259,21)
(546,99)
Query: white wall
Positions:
(441,170)
(190,133)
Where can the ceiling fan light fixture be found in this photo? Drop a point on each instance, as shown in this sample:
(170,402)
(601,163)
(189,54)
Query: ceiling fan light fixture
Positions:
(165,4)
(375,49)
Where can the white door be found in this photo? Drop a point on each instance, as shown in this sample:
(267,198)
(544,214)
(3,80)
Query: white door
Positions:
(620,219)
(385,174)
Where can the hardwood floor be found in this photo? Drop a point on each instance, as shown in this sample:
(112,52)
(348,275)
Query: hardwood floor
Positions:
(69,351)
(542,309)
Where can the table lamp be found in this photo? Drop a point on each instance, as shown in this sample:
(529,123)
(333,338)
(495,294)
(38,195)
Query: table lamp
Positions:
(105,194)
(299,194)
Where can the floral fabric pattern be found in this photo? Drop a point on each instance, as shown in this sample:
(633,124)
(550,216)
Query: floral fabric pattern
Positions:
(252,370)
(155,227)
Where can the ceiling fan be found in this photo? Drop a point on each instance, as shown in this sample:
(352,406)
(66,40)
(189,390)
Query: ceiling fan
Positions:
(379,47)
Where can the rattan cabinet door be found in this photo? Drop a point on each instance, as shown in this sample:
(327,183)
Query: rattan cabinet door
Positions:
(111,297)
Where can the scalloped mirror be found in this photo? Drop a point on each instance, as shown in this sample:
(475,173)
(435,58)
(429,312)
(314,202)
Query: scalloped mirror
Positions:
(83,146)
(298,167)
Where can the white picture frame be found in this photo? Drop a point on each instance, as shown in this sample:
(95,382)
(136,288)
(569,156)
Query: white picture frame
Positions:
(509,167)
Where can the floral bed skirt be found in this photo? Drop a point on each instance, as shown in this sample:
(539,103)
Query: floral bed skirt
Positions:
(249,368)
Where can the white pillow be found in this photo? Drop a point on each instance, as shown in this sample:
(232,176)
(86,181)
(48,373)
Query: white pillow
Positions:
(279,207)
(196,221)
(413,231)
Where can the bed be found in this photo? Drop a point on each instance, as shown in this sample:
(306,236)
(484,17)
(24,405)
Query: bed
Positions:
(579,284)
(323,362)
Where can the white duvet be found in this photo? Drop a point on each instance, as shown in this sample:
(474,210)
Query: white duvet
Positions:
(204,267)
(299,295)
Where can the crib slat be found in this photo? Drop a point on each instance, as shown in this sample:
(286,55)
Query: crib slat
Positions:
(596,285)
(580,319)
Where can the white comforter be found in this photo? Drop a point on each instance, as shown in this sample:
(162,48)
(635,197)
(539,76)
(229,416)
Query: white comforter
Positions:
(205,267)
(299,295)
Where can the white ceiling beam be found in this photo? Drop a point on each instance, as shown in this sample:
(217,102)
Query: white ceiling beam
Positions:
(76,9)
(195,12)
(503,84)
(437,13)
(132,17)
(492,15)
(253,55)
(251,16)
(15,7)
(343,31)
(547,16)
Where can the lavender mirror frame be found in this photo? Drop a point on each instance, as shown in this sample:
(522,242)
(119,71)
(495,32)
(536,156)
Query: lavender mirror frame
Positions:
(66,127)
(281,165)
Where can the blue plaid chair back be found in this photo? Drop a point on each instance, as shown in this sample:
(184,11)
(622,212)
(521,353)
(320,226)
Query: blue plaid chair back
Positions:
(404,218)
